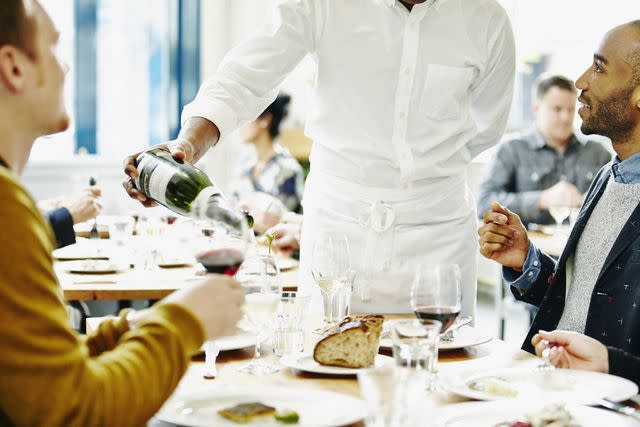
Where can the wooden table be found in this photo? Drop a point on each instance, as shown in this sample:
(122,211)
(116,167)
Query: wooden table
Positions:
(551,244)
(133,284)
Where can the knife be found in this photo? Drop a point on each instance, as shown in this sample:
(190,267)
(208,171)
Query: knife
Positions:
(620,408)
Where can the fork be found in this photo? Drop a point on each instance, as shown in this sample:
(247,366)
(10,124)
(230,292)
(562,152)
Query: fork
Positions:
(460,322)
(94,234)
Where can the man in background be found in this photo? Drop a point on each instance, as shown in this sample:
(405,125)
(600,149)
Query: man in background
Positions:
(545,165)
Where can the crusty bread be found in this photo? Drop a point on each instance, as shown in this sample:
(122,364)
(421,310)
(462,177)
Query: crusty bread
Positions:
(353,344)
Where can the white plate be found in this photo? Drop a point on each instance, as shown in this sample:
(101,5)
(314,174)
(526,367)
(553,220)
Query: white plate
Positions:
(304,362)
(484,414)
(79,251)
(92,266)
(316,408)
(235,342)
(286,263)
(176,262)
(566,385)
(463,337)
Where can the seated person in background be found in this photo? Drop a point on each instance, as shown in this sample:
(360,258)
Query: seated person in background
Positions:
(571,350)
(593,288)
(273,171)
(63,213)
(545,165)
(121,375)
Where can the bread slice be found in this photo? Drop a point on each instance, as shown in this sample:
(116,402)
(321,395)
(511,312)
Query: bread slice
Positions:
(353,345)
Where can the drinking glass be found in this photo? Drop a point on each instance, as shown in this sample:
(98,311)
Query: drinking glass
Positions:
(222,252)
(260,278)
(288,331)
(559,213)
(415,346)
(331,269)
(435,293)
(394,396)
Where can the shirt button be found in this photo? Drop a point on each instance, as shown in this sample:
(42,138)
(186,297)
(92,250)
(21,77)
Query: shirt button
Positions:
(530,274)
(535,263)
(401,115)
(407,71)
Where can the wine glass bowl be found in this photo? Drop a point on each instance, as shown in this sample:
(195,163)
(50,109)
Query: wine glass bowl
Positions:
(331,269)
(435,293)
(559,213)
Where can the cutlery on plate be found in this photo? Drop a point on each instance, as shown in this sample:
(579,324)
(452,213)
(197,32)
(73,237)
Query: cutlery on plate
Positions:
(94,282)
(94,234)
(619,407)
(460,322)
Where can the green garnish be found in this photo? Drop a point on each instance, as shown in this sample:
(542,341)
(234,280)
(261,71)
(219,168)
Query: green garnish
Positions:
(287,416)
(270,235)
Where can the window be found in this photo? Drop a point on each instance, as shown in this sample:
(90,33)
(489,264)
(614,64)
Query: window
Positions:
(133,66)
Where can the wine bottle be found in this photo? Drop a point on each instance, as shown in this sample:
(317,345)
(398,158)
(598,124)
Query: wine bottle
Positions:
(184,189)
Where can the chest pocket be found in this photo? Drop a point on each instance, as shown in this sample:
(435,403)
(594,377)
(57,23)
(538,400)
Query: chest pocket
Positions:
(446,91)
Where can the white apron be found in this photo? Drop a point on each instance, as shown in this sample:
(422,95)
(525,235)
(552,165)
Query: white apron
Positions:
(389,231)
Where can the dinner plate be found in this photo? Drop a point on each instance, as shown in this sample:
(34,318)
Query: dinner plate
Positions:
(79,251)
(560,385)
(304,362)
(235,342)
(92,266)
(176,262)
(484,414)
(316,408)
(466,336)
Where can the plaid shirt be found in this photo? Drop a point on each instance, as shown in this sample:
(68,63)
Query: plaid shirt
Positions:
(525,165)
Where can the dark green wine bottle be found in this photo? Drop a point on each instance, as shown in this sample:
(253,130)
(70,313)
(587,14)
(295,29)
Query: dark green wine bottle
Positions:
(184,189)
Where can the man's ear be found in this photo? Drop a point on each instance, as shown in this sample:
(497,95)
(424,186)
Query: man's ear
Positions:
(12,68)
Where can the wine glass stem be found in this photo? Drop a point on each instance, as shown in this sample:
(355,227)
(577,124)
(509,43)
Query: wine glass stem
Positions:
(330,317)
(256,353)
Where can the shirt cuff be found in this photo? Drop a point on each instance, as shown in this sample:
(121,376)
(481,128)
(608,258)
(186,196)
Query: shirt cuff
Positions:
(216,112)
(530,271)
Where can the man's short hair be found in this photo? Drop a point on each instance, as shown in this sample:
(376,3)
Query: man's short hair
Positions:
(635,55)
(16,25)
(545,82)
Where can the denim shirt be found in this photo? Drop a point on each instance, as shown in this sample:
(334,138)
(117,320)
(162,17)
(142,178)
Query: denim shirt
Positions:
(624,172)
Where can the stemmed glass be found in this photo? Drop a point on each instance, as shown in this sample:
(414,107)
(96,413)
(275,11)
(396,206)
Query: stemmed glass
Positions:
(220,251)
(260,278)
(331,270)
(435,296)
(559,213)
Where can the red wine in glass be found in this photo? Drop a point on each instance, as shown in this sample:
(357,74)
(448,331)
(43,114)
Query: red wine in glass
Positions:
(221,261)
(446,315)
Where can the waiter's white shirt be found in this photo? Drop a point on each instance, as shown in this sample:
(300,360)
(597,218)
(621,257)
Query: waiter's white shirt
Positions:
(402,102)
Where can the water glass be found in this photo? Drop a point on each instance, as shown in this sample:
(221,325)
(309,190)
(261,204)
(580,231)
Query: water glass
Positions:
(121,230)
(394,396)
(288,330)
(415,346)
(340,304)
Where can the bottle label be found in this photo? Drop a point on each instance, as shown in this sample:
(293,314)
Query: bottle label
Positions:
(154,183)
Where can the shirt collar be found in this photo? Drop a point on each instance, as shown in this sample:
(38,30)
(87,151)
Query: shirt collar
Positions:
(627,171)
(437,3)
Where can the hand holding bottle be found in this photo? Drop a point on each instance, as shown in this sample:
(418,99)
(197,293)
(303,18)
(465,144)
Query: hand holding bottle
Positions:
(195,138)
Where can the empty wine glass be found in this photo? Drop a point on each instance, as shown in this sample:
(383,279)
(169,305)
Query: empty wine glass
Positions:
(260,278)
(331,269)
(559,213)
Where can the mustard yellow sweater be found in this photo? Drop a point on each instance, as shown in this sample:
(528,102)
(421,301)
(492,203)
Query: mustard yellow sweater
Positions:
(51,376)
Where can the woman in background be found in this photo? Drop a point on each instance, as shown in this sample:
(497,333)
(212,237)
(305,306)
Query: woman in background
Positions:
(273,171)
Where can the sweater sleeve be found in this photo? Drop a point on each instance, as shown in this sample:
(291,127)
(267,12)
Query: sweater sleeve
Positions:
(62,225)
(624,364)
(50,376)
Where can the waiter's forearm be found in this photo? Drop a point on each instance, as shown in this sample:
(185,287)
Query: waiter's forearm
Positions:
(201,133)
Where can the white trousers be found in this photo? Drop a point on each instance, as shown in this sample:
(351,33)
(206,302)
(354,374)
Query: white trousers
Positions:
(389,231)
